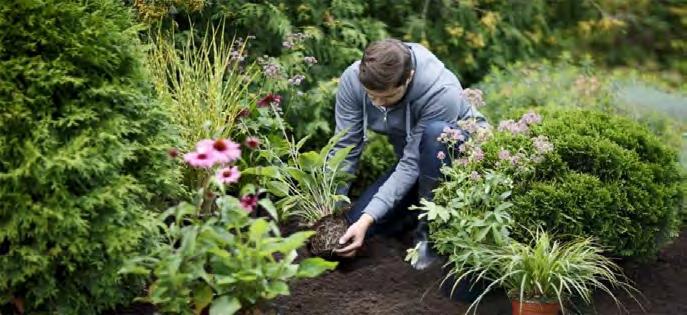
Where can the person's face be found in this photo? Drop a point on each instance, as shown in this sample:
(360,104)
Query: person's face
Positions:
(389,98)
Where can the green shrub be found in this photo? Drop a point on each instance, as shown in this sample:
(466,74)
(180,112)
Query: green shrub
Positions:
(608,177)
(82,154)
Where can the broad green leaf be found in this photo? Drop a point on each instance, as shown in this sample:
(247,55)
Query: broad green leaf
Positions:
(267,171)
(247,189)
(303,179)
(335,161)
(258,229)
(503,206)
(202,297)
(292,242)
(225,305)
(313,267)
(219,252)
(223,280)
(310,161)
(269,207)
(278,188)
(301,142)
(276,288)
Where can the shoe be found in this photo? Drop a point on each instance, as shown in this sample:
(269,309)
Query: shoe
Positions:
(426,255)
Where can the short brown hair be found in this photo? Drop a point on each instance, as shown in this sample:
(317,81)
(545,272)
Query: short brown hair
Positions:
(386,64)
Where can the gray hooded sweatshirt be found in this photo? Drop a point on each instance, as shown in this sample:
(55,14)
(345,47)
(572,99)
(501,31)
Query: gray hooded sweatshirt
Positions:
(434,94)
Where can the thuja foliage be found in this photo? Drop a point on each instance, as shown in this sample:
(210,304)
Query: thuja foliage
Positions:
(607,177)
(82,154)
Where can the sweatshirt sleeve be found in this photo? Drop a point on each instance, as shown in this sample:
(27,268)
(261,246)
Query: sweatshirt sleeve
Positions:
(442,107)
(349,115)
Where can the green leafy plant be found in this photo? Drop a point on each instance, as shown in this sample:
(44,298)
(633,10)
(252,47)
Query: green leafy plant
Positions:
(543,271)
(212,254)
(308,185)
(82,155)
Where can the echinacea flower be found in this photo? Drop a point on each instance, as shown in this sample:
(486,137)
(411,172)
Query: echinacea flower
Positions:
(252,143)
(226,150)
(269,99)
(204,159)
(228,175)
(249,202)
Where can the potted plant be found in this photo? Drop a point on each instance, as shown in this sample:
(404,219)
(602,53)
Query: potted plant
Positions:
(541,276)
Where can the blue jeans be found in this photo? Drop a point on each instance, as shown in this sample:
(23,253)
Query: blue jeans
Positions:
(399,216)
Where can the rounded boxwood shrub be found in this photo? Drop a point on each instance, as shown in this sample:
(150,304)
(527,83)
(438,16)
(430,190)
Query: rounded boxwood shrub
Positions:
(82,154)
(608,177)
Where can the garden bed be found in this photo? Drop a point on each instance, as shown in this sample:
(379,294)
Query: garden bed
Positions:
(379,282)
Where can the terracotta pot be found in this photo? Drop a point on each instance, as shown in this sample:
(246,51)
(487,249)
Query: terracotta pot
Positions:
(534,308)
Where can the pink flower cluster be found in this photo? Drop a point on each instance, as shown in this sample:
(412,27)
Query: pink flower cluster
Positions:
(474,97)
(310,60)
(521,126)
(221,152)
(450,135)
(293,39)
(296,79)
(542,145)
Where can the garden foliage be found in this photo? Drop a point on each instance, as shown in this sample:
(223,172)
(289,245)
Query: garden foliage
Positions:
(657,102)
(577,173)
(82,154)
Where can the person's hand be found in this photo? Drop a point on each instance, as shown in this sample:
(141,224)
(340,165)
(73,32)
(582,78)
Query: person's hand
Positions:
(356,235)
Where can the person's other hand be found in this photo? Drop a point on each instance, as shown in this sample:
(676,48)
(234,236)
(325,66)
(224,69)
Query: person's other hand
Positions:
(356,235)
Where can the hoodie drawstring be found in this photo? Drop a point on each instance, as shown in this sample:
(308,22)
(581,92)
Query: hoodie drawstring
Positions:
(408,135)
(364,117)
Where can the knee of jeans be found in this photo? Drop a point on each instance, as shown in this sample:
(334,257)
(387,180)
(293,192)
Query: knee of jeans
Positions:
(433,131)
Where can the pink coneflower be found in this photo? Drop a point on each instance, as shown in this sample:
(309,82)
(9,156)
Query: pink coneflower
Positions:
(249,202)
(252,142)
(269,99)
(228,175)
(227,150)
(204,159)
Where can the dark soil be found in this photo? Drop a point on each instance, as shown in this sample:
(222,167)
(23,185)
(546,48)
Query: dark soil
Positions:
(327,234)
(379,282)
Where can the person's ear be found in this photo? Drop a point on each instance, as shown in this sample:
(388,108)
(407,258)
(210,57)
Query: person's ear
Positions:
(410,77)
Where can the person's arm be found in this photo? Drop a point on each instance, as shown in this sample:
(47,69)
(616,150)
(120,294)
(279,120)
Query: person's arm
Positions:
(441,108)
(348,115)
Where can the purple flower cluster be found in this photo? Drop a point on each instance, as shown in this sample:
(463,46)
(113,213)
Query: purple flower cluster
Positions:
(271,70)
(293,39)
(296,79)
(474,97)
(469,125)
(450,135)
(542,144)
(521,126)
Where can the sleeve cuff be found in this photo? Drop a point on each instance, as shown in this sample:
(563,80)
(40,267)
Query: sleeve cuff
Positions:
(376,209)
